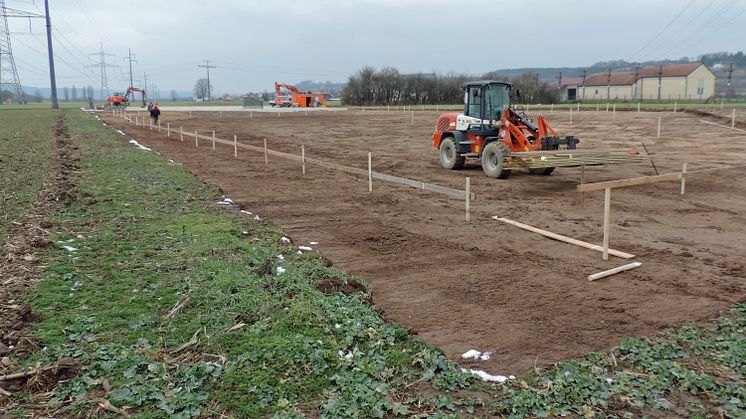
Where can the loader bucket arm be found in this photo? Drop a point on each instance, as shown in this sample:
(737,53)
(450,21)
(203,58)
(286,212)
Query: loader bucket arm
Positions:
(545,128)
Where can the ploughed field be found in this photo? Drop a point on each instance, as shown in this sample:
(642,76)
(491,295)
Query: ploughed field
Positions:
(486,285)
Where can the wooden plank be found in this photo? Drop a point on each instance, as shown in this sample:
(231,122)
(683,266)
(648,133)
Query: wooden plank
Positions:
(467,192)
(613,271)
(642,180)
(562,238)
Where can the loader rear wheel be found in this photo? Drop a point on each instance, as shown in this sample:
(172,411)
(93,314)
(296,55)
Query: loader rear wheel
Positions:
(544,171)
(494,156)
(449,157)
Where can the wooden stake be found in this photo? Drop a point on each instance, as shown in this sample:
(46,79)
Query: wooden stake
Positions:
(412,112)
(675,106)
(159,126)
(607,106)
(221,114)
(151,124)
(213,140)
(597,107)
(721,104)
(683,178)
(302,159)
(733,119)
(235,146)
(610,272)
(196,139)
(137,120)
(551,109)
(638,107)
(614,113)
(607,215)
(578,107)
(659,128)
(370,172)
(181,134)
(570,115)
(467,196)
(266,157)
(168,129)
(582,181)
(251,114)
(190,114)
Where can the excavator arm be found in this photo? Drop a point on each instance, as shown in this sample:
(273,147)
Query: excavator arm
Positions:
(131,90)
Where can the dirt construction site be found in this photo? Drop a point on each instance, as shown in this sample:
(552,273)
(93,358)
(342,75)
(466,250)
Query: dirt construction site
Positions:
(484,284)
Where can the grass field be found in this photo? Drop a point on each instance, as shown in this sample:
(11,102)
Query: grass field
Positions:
(24,159)
(261,331)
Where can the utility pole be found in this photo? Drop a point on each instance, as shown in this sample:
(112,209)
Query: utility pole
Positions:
(660,81)
(637,74)
(52,77)
(145,82)
(130,58)
(102,65)
(729,91)
(207,66)
(608,87)
(583,98)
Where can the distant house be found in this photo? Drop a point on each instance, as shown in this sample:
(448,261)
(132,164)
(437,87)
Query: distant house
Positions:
(226,97)
(568,88)
(668,82)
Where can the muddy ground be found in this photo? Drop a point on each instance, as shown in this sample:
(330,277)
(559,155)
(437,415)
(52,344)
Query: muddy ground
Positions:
(483,284)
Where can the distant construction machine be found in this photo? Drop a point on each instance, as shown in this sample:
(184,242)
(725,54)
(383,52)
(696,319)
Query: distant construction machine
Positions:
(122,100)
(295,98)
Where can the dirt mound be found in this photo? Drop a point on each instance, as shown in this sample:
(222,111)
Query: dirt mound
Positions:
(334,284)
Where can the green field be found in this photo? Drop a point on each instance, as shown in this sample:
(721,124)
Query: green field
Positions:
(24,161)
(255,337)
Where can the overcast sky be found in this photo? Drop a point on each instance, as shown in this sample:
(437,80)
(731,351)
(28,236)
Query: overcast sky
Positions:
(255,42)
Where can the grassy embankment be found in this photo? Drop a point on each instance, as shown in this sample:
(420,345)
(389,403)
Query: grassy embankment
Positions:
(256,337)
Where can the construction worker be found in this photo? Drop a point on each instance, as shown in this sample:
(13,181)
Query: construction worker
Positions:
(155,112)
(150,106)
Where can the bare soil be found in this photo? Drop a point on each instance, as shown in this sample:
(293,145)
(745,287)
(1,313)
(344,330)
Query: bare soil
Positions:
(486,285)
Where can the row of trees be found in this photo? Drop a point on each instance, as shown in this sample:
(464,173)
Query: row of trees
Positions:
(68,94)
(387,86)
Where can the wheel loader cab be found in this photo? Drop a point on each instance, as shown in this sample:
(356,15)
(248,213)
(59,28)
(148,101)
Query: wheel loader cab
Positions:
(486,100)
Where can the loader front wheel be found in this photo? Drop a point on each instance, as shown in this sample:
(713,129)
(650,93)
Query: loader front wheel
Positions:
(543,171)
(449,157)
(494,156)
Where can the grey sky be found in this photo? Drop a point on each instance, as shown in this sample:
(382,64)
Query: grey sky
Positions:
(254,42)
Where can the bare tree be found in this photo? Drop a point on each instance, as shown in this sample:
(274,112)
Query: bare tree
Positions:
(174,96)
(66,93)
(74,93)
(201,89)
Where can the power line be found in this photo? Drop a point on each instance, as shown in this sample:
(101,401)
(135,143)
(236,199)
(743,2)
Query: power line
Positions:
(705,25)
(663,30)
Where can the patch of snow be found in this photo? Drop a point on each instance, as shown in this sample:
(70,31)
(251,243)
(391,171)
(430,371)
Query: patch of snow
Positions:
(246,212)
(486,356)
(170,160)
(70,248)
(348,356)
(305,248)
(489,377)
(104,124)
(471,354)
(281,257)
(280,270)
(244,232)
(140,146)
(228,200)
(66,241)
(285,239)
(121,132)
(313,242)
(337,325)
(256,217)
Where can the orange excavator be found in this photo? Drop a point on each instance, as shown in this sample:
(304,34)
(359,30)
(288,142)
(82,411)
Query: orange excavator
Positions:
(119,99)
(296,99)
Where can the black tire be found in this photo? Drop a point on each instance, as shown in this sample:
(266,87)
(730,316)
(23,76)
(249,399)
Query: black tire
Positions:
(494,156)
(543,171)
(449,157)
